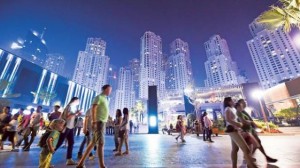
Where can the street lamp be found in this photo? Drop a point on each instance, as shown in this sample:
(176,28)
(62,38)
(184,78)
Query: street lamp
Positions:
(258,94)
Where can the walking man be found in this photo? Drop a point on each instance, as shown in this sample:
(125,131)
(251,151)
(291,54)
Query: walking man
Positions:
(100,111)
(34,125)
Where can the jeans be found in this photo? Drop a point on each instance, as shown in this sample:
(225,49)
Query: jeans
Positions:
(86,140)
(116,135)
(204,133)
(33,131)
(77,129)
(208,134)
(237,141)
(69,135)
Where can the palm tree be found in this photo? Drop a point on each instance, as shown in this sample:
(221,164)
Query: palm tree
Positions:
(286,15)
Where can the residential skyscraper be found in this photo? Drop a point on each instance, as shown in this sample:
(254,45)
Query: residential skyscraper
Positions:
(125,96)
(220,69)
(151,70)
(92,65)
(274,55)
(134,65)
(178,67)
(179,46)
(55,63)
(112,80)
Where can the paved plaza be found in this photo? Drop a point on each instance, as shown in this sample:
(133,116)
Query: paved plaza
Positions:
(163,151)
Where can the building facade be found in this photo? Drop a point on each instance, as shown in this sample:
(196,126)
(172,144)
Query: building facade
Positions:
(178,67)
(151,70)
(221,70)
(112,80)
(26,84)
(134,66)
(92,65)
(274,55)
(125,96)
(55,63)
(33,47)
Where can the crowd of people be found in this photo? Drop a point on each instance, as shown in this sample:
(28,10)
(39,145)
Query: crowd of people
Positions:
(96,123)
(63,126)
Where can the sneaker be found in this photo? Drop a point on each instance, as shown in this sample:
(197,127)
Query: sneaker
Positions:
(71,162)
(83,166)
(211,141)
(126,153)
(92,157)
(118,154)
(271,160)
(26,149)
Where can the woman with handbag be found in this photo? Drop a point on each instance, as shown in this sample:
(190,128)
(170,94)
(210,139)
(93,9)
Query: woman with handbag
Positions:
(233,129)
(123,133)
(69,115)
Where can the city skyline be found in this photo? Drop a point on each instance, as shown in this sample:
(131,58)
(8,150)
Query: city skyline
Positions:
(123,41)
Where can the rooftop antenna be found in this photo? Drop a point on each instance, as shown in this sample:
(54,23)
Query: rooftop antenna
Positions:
(42,35)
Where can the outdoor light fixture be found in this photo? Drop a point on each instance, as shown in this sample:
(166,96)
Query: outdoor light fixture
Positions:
(15,45)
(258,94)
(152,121)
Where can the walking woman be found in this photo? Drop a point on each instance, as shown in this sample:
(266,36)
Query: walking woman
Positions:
(237,141)
(117,123)
(69,116)
(123,133)
(180,128)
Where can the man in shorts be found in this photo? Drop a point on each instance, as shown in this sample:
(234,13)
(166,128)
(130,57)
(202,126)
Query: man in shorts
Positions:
(100,111)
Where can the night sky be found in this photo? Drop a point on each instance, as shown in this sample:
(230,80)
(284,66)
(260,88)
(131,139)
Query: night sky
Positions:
(121,23)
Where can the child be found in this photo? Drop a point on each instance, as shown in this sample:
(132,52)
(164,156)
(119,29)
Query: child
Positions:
(10,132)
(56,126)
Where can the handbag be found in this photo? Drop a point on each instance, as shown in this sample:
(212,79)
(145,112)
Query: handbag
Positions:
(122,133)
(230,128)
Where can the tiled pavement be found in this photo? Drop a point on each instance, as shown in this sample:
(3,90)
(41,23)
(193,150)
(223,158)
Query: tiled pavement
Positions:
(163,151)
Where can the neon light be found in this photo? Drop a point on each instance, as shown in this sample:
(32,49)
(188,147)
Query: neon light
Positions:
(12,76)
(35,101)
(7,65)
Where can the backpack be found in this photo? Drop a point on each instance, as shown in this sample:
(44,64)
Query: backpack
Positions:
(43,140)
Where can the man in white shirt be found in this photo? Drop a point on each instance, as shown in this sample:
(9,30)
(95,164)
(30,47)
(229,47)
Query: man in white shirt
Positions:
(208,126)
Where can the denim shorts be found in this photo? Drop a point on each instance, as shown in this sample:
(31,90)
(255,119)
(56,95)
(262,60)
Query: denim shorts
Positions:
(99,133)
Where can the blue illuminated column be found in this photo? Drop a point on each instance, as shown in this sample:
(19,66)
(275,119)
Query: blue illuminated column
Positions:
(12,76)
(7,65)
(152,110)
(70,92)
(36,98)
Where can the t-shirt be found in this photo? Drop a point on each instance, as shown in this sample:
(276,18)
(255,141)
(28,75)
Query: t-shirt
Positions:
(35,119)
(54,115)
(232,113)
(102,109)
(55,135)
(12,125)
(5,118)
(88,114)
(71,121)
